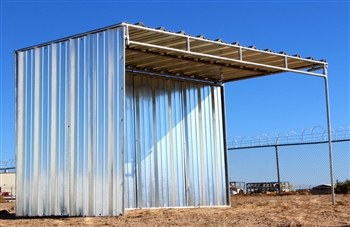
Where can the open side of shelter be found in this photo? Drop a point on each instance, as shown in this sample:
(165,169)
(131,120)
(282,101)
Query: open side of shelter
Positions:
(130,117)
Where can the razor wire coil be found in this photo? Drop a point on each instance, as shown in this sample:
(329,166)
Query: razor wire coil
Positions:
(315,134)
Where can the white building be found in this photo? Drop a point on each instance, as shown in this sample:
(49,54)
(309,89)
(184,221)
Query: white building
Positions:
(8,182)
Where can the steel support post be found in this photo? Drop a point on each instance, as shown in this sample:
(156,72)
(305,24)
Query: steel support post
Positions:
(329,133)
(223,109)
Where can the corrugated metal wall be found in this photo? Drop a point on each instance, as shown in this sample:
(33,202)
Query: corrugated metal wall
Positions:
(87,146)
(175,152)
(69,127)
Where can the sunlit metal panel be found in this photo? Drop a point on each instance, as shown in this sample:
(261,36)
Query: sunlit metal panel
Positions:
(175,145)
(70,126)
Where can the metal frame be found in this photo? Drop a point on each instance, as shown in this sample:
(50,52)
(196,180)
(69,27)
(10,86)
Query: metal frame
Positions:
(286,69)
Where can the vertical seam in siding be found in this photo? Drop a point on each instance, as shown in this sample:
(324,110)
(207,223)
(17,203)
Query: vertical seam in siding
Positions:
(155,150)
(202,150)
(215,138)
(171,146)
(53,129)
(71,136)
(110,122)
(19,61)
(36,130)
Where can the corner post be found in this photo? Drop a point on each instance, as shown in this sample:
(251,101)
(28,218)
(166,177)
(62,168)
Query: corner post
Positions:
(329,131)
(223,109)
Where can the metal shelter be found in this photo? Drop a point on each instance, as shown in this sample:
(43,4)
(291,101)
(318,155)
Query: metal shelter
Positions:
(128,116)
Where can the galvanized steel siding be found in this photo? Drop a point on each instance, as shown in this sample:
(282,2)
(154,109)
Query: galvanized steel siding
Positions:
(70,127)
(174,148)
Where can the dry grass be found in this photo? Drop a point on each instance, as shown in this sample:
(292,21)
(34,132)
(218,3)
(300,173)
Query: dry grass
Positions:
(253,210)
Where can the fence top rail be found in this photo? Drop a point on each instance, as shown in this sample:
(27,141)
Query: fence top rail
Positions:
(289,144)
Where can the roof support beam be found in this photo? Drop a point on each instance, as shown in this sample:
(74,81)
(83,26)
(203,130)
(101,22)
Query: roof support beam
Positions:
(166,56)
(228,60)
(188,43)
(286,62)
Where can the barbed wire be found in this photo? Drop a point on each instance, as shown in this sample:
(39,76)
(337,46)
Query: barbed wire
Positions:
(7,163)
(315,134)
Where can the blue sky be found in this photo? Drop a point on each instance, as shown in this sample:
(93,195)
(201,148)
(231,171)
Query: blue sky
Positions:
(279,103)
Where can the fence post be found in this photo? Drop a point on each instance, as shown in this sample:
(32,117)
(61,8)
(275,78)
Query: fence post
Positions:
(278,168)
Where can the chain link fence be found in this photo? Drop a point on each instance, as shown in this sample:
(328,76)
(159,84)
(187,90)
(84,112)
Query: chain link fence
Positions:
(302,160)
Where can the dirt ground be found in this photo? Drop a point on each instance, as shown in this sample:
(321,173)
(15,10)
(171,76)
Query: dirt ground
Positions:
(258,210)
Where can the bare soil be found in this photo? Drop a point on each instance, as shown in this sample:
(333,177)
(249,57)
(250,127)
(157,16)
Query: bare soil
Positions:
(252,210)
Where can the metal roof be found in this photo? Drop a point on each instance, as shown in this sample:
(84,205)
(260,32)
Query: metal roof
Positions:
(179,54)
(155,50)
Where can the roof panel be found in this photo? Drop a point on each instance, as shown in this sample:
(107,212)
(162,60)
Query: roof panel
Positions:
(178,53)
(160,50)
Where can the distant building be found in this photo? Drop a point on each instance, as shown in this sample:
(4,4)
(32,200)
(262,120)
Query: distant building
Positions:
(321,189)
(262,187)
(8,182)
